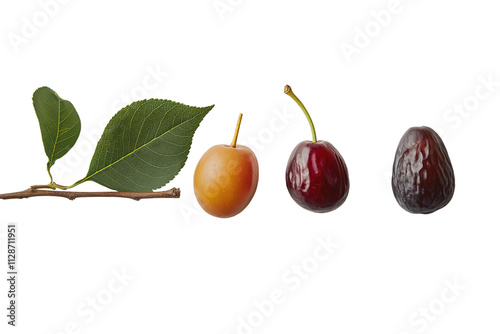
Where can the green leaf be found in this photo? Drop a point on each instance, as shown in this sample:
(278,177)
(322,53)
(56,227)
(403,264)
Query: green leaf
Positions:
(59,123)
(145,145)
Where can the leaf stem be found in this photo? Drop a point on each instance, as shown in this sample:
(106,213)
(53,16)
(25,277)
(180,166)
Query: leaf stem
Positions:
(288,91)
(235,137)
(76,183)
(52,185)
(35,191)
(48,171)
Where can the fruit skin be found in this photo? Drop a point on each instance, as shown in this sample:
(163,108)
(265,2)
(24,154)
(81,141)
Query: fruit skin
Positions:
(317,177)
(423,180)
(225,179)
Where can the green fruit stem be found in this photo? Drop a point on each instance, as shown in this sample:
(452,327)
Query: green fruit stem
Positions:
(288,91)
(233,143)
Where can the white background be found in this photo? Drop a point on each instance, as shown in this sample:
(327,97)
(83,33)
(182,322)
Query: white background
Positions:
(188,272)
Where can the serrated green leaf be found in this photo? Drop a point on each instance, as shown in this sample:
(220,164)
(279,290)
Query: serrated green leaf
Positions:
(145,145)
(59,123)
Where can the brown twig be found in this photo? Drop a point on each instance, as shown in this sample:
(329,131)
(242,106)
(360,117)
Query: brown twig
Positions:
(71,195)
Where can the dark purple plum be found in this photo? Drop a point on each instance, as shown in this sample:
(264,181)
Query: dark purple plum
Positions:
(422,175)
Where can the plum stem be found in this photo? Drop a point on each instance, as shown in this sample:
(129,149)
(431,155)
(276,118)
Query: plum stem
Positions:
(236,132)
(288,91)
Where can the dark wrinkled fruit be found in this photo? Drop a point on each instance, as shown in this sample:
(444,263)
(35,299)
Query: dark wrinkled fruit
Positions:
(422,176)
(316,176)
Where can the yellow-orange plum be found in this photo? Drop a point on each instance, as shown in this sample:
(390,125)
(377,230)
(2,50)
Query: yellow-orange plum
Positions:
(226,177)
